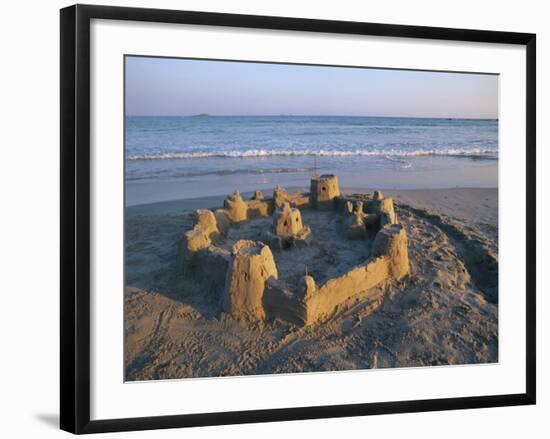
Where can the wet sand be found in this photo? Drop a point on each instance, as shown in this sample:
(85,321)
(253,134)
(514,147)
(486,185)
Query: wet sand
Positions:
(424,172)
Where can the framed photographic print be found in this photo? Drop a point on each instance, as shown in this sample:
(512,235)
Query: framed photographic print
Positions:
(268,218)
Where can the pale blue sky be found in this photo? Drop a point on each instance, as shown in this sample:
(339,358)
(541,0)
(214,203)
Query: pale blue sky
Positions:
(170,86)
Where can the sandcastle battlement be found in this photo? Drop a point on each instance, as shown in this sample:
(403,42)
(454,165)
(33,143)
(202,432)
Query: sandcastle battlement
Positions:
(246,279)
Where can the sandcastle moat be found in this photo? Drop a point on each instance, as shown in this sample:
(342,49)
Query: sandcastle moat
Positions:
(295,256)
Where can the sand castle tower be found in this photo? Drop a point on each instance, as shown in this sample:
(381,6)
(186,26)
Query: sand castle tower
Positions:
(198,238)
(250,266)
(258,195)
(384,208)
(206,221)
(287,221)
(279,197)
(257,206)
(236,207)
(307,286)
(323,190)
(288,230)
(392,241)
(354,223)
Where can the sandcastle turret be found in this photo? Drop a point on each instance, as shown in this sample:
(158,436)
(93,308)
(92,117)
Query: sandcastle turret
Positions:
(287,221)
(307,286)
(354,222)
(323,190)
(258,195)
(257,206)
(288,229)
(279,197)
(384,208)
(251,265)
(391,241)
(199,237)
(236,207)
(206,221)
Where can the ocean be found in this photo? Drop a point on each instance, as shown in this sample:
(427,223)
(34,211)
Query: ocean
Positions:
(191,157)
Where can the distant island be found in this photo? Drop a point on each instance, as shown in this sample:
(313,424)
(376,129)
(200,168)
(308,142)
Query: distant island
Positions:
(200,115)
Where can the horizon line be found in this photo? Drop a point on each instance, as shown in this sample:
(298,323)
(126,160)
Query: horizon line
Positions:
(201,115)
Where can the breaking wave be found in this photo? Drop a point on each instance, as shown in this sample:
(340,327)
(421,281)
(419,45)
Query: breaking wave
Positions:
(387,154)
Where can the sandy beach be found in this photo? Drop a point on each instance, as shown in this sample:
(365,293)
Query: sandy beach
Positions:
(444,313)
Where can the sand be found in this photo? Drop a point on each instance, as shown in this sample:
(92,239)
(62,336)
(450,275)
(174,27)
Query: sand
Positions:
(444,313)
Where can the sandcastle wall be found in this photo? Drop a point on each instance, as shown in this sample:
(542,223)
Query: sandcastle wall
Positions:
(335,291)
(297,199)
(210,265)
(390,261)
(236,209)
(282,302)
(247,278)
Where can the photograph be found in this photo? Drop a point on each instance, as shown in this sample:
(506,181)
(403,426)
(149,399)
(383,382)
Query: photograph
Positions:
(288,218)
(272,220)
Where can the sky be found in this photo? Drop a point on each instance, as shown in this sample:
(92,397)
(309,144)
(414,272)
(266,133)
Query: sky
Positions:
(183,87)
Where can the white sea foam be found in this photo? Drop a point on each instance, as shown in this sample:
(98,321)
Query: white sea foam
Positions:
(391,154)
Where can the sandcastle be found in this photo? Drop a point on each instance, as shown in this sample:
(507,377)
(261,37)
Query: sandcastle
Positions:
(246,279)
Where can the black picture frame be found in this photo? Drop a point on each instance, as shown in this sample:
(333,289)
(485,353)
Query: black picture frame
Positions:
(75,217)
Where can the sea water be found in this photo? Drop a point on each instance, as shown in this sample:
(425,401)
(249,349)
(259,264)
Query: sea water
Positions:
(191,157)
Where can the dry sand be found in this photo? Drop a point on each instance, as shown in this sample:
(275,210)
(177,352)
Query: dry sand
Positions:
(445,312)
